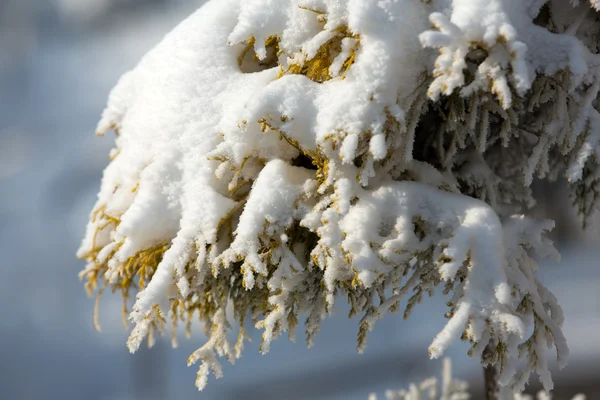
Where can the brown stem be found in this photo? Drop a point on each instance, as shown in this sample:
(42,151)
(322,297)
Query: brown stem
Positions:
(490,376)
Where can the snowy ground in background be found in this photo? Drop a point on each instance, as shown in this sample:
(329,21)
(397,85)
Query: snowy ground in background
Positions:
(50,169)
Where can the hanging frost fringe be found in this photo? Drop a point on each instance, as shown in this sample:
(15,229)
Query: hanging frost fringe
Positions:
(269,159)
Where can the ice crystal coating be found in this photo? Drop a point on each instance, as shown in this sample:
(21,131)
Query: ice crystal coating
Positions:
(271,158)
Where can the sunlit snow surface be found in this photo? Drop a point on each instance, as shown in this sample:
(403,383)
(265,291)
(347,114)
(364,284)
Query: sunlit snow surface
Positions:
(50,168)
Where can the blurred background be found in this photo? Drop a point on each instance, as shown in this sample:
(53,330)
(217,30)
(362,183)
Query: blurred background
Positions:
(58,61)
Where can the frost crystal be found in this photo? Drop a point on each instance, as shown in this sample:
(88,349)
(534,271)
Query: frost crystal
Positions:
(271,158)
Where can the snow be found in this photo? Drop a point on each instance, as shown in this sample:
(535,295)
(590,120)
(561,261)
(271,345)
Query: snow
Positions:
(271,204)
(350,160)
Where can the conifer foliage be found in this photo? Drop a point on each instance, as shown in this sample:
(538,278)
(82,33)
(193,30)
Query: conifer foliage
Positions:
(273,158)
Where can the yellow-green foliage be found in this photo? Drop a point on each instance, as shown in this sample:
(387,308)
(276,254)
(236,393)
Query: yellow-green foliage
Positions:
(317,68)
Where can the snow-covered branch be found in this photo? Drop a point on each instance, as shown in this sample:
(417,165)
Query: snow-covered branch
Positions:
(269,159)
